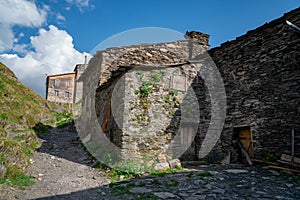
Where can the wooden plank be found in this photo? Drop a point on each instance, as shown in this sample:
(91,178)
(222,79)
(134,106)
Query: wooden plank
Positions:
(245,153)
(245,139)
(289,158)
(283,168)
(264,162)
(289,164)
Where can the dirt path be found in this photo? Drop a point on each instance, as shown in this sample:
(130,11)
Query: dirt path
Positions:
(60,166)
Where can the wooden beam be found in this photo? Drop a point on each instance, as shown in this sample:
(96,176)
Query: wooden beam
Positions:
(245,153)
(264,162)
(289,158)
(284,168)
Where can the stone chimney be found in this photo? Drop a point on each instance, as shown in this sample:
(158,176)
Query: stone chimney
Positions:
(196,36)
(85,59)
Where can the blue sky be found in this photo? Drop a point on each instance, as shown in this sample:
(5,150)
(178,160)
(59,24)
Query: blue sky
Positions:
(50,36)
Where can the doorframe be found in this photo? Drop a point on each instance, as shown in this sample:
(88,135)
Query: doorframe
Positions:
(236,132)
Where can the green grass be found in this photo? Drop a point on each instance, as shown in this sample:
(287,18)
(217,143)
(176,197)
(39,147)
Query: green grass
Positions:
(42,128)
(3,116)
(270,158)
(190,174)
(297,178)
(155,181)
(3,159)
(204,174)
(15,177)
(133,119)
(2,85)
(128,169)
(133,169)
(63,119)
(21,110)
(157,77)
(114,175)
(162,173)
(171,184)
(167,100)
(173,92)
(145,89)
(285,175)
(118,189)
(22,181)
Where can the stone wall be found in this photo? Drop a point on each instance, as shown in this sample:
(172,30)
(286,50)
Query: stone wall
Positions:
(261,72)
(125,74)
(79,70)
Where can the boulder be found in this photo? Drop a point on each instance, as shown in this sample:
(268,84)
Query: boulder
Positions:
(162,166)
(175,163)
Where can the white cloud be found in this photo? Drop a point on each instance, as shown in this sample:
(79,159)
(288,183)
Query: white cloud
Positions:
(21,12)
(20,48)
(81,4)
(50,52)
(17,12)
(21,35)
(60,18)
(6,37)
(54,53)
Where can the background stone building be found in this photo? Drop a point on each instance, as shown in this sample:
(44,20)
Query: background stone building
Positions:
(261,75)
(60,88)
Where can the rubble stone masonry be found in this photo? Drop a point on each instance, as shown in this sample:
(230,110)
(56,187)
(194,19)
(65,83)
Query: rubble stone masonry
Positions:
(261,75)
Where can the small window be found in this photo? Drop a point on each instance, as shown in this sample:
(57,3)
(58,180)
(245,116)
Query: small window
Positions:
(67,94)
(68,83)
(56,93)
(56,82)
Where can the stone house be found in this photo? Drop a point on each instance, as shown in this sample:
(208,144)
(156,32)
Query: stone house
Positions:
(138,92)
(261,73)
(138,89)
(60,88)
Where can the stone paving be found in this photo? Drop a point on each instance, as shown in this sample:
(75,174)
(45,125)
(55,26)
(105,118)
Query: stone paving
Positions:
(213,182)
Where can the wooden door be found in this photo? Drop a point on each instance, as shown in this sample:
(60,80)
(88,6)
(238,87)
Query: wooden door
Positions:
(246,141)
(188,134)
(106,117)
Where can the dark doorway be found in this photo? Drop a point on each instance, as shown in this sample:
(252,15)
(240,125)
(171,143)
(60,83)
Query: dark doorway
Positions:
(245,144)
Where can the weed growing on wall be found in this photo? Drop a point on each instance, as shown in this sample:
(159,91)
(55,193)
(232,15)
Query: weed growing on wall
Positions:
(145,94)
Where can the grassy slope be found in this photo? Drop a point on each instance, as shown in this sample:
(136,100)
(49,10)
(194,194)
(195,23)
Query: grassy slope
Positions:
(20,110)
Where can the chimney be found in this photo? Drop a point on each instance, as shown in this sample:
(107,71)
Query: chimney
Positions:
(198,37)
(85,59)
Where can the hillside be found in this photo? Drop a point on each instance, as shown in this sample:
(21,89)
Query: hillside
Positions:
(21,110)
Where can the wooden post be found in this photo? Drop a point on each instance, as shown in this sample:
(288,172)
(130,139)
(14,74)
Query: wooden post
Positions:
(293,145)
